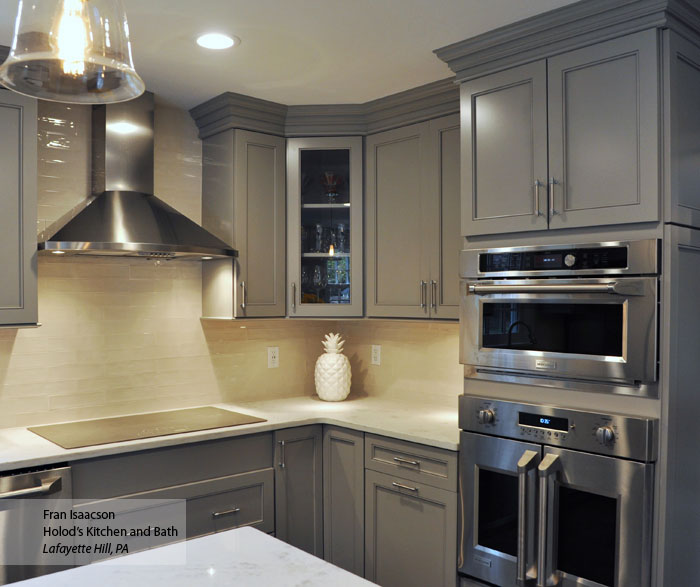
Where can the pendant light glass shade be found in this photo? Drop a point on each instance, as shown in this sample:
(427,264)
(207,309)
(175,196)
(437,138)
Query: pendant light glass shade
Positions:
(75,51)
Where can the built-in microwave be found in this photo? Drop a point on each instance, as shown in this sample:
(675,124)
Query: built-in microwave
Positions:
(581,316)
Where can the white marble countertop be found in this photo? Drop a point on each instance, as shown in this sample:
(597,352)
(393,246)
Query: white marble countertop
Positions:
(422,419)
(243,557)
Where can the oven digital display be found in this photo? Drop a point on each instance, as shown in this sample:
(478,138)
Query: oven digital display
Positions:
(548,260)
(541,421)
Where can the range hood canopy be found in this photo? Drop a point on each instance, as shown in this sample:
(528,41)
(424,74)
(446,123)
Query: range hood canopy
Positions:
(124,218)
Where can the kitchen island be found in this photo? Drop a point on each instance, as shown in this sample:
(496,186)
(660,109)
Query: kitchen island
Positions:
(241,557)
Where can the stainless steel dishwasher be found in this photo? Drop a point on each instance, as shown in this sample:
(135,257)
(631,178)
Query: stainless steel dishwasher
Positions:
(21,525)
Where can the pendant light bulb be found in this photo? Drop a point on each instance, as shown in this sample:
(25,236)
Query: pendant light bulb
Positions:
(331,250)
(73,51)
(71,37)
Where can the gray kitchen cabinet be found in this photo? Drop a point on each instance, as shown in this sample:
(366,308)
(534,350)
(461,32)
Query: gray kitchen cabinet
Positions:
(243,203)
(565,142)
(343,498)
(18,209)
(412,228)
(299,487)
(324,226)
(410,533)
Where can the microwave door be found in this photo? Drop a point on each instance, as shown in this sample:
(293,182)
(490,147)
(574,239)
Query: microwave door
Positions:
(594,524)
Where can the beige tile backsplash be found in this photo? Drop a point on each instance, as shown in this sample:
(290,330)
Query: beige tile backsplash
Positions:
(122,336)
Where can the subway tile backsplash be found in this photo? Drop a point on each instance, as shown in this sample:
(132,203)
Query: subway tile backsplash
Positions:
(125,335)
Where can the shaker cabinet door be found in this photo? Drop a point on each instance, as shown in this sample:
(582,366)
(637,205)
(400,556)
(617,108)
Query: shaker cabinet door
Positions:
(398,172)
(410,533)
(299,488)
(603,133)
(18,256)
(504,151)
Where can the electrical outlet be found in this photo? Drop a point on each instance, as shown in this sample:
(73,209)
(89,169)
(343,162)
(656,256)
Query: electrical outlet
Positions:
(376,354)
(273,357)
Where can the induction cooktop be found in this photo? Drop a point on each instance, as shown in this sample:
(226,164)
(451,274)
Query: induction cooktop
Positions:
(121,428)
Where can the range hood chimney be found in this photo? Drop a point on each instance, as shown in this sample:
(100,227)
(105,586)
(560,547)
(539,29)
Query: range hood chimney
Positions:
(123,218)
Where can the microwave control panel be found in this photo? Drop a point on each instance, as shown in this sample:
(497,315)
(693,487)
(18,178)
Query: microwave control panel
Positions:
(554,260)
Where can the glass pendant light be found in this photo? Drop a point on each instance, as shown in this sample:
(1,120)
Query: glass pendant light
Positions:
(75,51)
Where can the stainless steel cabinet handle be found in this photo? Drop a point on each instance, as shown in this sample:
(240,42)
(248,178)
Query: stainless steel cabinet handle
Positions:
(423,293)
(433,294)
(407,462)
(552,183)
(527,484)
(244,294)
(47,486)
(282,463)
(225,513)
(538,185)
(547,469)
(625,288)
(401,486)
(294,297)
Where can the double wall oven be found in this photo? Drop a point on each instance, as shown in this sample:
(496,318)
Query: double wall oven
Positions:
(552,496)
(578,316)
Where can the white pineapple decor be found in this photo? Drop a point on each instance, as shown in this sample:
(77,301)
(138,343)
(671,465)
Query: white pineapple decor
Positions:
(332,373)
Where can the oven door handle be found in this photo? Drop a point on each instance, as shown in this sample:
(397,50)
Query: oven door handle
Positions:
(631,287)
(527,485)
(548,468)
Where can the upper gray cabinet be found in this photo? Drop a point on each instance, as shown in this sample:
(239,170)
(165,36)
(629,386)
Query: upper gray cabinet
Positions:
(324,224)
(18,201)
(243,203)
(412,212)
(569,141)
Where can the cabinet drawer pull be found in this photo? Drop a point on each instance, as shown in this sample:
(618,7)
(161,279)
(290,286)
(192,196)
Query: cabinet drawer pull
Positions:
(244,295)
(294,297)
(552,209)
(401,486)
(423,293)
(225,513)
(406,462)
(433,294)
(281,463)
(538,184)
(47,486)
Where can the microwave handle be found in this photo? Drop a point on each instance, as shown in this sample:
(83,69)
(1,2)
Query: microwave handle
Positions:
(526,531)
(547,469)
(632,287)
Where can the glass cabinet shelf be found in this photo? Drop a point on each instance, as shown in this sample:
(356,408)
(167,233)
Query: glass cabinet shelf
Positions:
(324,226)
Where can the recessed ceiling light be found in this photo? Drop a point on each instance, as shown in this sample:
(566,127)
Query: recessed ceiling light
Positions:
(217,41)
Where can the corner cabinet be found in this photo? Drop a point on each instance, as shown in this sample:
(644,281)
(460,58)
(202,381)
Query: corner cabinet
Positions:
(565,142)
(243,189)
(412,220)
(324,226)
(18,210)
(299,487)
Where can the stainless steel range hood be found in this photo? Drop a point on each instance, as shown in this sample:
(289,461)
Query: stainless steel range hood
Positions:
(124,218)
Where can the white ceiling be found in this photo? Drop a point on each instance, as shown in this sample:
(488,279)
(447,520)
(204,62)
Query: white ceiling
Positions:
(301,51)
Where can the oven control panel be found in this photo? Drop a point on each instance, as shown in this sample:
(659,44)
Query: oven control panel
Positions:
(609,434)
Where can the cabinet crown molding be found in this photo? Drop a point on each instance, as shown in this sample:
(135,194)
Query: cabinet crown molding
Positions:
(563,29)
(231,110)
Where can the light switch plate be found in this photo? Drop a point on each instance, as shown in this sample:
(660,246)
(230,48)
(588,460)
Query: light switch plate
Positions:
(376,354)
(273,357)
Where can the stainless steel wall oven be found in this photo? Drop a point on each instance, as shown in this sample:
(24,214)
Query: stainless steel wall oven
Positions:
(551,496)
(581,316)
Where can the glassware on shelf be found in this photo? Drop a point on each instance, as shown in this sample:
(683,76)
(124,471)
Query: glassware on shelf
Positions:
(341,239)
(331,183)
(319,239)
(305,276)
(318,277)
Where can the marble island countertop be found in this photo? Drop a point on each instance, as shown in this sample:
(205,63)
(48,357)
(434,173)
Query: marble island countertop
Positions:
(243,556)
(423,419)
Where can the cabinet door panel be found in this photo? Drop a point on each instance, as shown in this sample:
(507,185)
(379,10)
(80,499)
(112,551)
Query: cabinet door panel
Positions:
(18,291)
(397,172)
(343,499)
(603,133)
(504,151)
(411,533)
(259,219)
(447,240)
(299,488)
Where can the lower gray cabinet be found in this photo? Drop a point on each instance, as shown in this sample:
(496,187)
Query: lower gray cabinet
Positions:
(298,487)
(344,499)
(410,533)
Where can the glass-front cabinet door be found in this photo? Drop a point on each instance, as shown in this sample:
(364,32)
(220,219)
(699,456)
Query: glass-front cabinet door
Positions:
(324,226)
